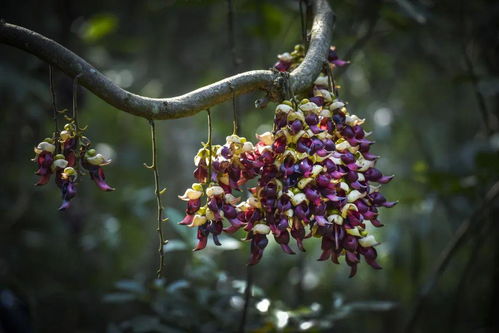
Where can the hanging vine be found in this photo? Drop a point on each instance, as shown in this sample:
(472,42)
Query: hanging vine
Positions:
(158,192)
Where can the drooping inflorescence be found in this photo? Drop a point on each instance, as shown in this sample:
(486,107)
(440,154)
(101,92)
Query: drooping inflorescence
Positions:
(62,156)
(64,153)
(315,178)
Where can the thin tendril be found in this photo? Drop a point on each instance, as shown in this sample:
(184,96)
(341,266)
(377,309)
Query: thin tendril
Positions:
(54,106)
(75,99)
(331,82)
(158,193)
(329,79)
(247,298)
(288,90)
(335,87)
(235,120)
(235,62)
(303,24)
(209,145)
(75,121)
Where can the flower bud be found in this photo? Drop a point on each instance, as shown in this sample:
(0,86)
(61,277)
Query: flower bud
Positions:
(284,108)
(60,163)
(69,171)
(344,186)
(368,241)
(353,120)
(347,208)
(209,214)
(336,105)
(198,220)
(325,94)
(298,198)
(64,135)
(322,80)
(45,146)
(335,218)
(224,179)
(325,113)
(197,187)
(286,56)
(98,159)
(261,229)
(267,138)
(316,169)
(343,145)
(233,139)
(310,107)
(247,146)
(354,196)
(353,232)
(296,115)
(302,183)
(214,190)
(190,194)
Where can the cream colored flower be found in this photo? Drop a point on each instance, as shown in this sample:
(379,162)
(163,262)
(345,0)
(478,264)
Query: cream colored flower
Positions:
(261,229)
(198,220)
(267,138)
(190,194)
(335,218)
(368,241)
(214,190)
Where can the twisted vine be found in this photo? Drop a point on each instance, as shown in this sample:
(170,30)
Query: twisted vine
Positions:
(159,204)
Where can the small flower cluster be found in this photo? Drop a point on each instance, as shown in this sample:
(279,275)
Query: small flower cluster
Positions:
(287,62)
(62,155)
(315,178)
(222,162)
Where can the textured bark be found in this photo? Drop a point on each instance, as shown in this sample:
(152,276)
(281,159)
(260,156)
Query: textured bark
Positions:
(190,103)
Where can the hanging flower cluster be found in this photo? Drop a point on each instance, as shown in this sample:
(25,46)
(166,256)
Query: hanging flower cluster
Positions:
(62,155)
(315,178)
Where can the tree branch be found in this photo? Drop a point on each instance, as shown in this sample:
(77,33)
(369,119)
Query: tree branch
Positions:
(184,105)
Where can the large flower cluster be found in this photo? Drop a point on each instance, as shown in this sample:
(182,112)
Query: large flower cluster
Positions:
(315,178)
(62,156)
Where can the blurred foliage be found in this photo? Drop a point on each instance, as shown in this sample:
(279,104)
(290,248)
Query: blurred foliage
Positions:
(92,268)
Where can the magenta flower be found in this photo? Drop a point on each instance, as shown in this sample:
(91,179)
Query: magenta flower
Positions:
(44,158)
(314,177)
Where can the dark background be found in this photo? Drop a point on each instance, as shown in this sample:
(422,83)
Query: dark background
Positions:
(425,76)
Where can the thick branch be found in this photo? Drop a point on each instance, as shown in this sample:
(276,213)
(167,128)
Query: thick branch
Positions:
(187,104)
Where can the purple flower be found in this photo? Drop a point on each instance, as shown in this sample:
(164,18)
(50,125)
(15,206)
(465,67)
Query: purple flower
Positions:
(97,175)
(258,244)
(333,58)
(295,126)
(44,161)
(282,66)
(374,175)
